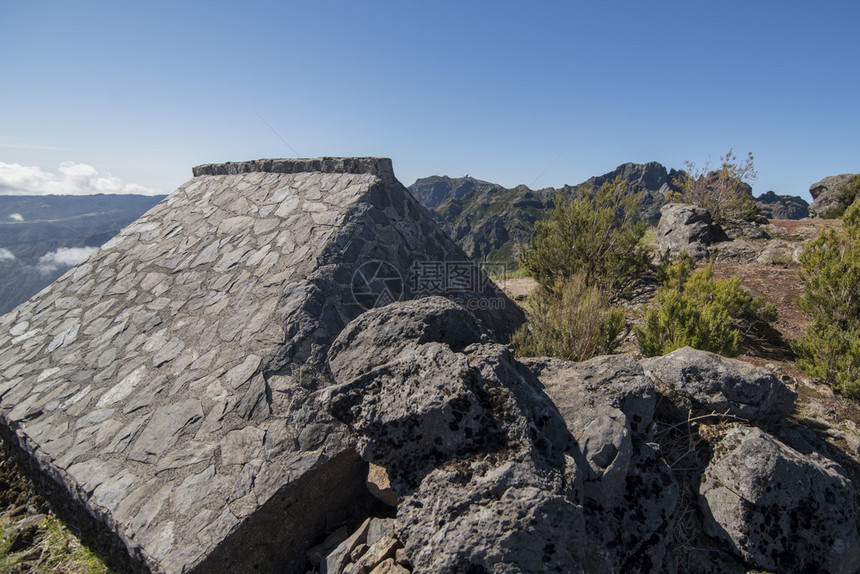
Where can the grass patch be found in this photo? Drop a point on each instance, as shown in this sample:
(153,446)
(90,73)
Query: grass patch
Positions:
(46,547)
(650,237)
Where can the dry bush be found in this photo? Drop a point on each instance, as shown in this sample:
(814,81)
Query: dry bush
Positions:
(571,320)
(724,192)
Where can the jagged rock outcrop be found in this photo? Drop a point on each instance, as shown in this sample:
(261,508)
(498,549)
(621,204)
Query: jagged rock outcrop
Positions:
(169,385)
(608,404)
(773,206)
(684,228)
(433,191)
(650,180)
(464,434)
(493,473)
(831,196)
(780,510)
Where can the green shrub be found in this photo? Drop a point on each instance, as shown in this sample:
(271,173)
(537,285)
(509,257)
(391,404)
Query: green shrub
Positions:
(673,271)
(571,320)
(694,309)
(596,233)
(830,270)
(832,355)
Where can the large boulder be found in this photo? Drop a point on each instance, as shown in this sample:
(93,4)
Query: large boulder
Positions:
(830,195)
(608,404)
(773,206)
(699,383)
(779,510)
(684,228)
(501,466)
(742,229)
(481,460)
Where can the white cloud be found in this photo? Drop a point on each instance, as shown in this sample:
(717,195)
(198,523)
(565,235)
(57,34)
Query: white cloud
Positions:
(72,179)
(6,255)
(64,257)
(16,217)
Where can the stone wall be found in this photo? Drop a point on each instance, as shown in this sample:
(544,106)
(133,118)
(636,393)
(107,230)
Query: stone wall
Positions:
(169,385)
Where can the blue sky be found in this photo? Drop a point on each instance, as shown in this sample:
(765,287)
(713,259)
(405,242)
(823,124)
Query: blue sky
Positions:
(540,93)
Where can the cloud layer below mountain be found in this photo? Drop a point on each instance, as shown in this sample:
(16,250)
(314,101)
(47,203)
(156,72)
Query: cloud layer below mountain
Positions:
(71,179)
(64,257)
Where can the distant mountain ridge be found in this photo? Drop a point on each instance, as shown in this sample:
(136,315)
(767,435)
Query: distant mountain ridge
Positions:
(42,236)
(490,222)
(433,191)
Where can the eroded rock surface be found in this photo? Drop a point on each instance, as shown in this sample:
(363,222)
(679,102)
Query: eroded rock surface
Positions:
(500,465)
(831,195)
(701,383)
(479,457)
(684,228)
(780,510)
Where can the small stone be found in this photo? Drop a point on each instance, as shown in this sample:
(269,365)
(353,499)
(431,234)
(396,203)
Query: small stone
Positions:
(381,550)
(189,454)
(379,528)
(389,566)
(111,492)
(379,485)
(358,552)
(123,388)
(168,352)
(195,488)
(335,561)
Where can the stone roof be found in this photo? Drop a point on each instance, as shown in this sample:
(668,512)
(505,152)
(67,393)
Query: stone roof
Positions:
(168,384)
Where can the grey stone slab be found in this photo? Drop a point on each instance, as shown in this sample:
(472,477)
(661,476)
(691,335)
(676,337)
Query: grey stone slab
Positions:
(194,452)
(167,423)
(111,492)
(241,446)
(124,437)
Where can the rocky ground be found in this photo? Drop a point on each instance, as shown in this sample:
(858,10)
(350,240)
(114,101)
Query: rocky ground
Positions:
(34,541)
(779,283)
